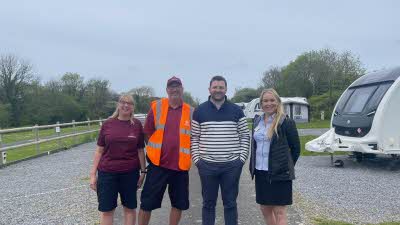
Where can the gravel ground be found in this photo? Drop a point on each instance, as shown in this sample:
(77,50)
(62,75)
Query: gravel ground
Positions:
(359,193)
(49,190)
(54,190)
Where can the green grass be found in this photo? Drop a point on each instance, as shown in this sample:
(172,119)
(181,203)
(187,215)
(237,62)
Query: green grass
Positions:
(43,133)
(314,124)
(29,151)
(320,221)
(85,178)
(311,125)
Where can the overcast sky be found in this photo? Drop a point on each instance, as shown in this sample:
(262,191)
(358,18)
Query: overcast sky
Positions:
(135,43)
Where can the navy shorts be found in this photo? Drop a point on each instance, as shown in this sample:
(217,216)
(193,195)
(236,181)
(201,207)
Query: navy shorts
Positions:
(110,184)
(157,180)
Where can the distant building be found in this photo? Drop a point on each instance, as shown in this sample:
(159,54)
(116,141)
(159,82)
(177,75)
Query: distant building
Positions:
(296,108)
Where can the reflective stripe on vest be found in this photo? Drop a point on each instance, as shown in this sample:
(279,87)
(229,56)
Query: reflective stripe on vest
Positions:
(153,149)
(185,150)
(184,131)
(154,145)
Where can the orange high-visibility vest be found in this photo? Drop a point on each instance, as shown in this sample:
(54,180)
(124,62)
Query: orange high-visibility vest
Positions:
(153,148)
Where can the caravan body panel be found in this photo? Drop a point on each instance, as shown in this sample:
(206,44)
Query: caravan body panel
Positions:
(296,107)
(389,125)
(366,117)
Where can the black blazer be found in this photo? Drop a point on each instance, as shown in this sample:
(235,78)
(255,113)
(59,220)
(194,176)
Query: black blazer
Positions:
(284,150)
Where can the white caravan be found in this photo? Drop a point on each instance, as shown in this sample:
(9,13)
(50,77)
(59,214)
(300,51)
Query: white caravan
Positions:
(366,118)
(296,107)
(242,105)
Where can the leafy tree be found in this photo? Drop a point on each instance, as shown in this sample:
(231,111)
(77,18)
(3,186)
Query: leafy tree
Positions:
(72,84)
(15,75)
(142,96)
(188,98)
(314,73)
(142,91)
(5,117)
(45,106)
(297,79)
(245,95)
(96,99)
(272,78)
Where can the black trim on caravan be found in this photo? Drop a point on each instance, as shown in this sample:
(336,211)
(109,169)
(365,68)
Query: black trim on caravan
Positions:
(356,109)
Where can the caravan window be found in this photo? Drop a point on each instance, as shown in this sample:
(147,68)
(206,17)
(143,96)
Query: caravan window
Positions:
(286,108)
(297,110)
(358,99)
(377,97)
(257,108)
(344,99)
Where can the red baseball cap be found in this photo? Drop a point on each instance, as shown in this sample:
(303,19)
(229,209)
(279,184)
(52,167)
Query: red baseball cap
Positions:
(174,80)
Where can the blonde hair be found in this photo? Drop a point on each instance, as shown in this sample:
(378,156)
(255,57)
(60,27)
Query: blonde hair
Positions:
(127,98)
(279,111)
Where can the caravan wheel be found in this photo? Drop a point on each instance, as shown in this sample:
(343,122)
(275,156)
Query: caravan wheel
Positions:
(338,163)
(395,156)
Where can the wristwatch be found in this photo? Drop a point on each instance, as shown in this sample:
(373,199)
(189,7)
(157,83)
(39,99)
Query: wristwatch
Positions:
(143,171)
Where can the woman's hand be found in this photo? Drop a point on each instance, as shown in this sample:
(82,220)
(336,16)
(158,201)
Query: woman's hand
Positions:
(93,182)
(141,179)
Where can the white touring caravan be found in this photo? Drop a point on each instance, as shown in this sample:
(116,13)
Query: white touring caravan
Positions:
(366,118)
(242,105)
(296,107)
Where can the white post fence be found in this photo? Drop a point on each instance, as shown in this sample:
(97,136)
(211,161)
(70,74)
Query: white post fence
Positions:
(36,129)
(37,140)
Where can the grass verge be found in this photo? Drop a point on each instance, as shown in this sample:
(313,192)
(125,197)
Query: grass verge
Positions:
(314,124)
(31,151)
(43,133)
(320,221)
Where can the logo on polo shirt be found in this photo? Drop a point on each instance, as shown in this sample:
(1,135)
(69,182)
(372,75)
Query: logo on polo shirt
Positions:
(187,123)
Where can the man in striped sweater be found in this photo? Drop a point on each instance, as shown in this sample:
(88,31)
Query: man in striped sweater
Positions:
(220,145)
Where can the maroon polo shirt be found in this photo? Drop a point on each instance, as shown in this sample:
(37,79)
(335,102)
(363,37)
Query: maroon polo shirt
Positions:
(121,140)
(170,146)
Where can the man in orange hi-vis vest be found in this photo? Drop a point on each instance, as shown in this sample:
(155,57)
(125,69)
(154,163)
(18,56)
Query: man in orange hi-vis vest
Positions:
(167,134)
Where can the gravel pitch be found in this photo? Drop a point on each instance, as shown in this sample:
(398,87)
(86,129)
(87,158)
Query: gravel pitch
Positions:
(49,190)
(54,190)
(359,193)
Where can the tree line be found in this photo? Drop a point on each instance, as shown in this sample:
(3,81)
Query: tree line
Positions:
(25,100)
(321,76)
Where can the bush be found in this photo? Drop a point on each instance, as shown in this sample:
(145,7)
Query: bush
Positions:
(5,115)
(322,102)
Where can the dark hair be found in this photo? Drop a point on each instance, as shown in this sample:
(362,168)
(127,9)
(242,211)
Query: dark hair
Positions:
(218,78)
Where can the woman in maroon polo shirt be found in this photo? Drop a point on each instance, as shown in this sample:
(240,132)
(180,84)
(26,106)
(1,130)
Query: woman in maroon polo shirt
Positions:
(118,158)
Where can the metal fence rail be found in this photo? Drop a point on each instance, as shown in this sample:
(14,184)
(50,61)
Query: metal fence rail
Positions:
(54,137)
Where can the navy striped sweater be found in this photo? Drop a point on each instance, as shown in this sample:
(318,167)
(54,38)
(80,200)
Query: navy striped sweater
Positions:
(219,135)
